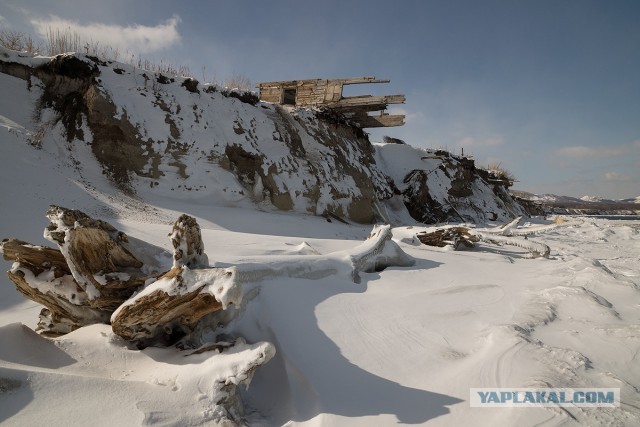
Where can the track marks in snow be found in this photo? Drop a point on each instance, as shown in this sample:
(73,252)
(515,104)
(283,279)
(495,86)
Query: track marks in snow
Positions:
(574,325)
(582,327)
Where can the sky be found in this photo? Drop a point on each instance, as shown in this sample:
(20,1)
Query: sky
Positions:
(549,90)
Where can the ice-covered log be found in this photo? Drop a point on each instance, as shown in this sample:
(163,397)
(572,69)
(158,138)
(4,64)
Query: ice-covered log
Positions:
(97,255)
(376,253)
(235,365)
(42,275)
(511,229)
(507,229)
(536,249)
(188,248)
(169,308)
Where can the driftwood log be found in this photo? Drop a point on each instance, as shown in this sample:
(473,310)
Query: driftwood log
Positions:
(506,234)
(42,275)
(170,308)
(99,275)
(188,248)
(97,255)
(454,236)
(95,271)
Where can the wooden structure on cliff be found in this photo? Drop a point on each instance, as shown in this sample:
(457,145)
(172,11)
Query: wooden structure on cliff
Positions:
(327,94)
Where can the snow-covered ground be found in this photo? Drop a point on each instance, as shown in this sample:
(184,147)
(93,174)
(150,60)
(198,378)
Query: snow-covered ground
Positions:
(403,345)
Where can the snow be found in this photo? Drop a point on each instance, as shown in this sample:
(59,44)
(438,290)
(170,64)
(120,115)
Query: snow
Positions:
(24,58)
(591,198)
(404,344)
(401,345)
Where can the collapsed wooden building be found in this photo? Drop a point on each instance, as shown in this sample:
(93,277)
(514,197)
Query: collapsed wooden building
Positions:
(327,95)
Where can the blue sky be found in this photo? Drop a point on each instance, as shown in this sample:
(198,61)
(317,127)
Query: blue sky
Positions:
(548,89)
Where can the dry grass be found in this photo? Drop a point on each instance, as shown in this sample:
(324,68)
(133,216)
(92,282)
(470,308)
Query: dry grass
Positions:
(64,41)
(500,172)
(238,82)
(59,41)
(16,40)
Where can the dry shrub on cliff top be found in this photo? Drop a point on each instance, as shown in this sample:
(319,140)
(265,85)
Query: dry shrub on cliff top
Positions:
(17,40)
(239,82)
(500,172)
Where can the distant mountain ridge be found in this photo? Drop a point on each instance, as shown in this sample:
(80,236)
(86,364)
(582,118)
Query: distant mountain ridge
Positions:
(553,203)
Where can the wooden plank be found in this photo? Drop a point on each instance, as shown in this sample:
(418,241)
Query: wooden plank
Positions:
(369,103)
(270,93)
(370,99)
(386,120)
(291,83)
(359,80)
(271,98)
(346,81)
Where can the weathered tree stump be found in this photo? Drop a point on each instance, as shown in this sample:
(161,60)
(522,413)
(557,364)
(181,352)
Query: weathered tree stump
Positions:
(42,275)
(97,256)
(91,274)
(188,248)
(95,272)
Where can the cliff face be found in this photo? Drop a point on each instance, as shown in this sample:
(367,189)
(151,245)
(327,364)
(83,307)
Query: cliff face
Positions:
(155,135)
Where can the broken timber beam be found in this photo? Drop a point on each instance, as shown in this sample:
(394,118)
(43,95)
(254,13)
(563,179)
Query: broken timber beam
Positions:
(359,80)
(346,81)
(366,102)
(385,120)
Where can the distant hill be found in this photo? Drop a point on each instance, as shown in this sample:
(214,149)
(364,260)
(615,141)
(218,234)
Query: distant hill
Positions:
(591,205)
(636,200)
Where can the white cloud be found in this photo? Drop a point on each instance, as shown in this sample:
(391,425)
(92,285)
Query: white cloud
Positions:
(582,151)
(578,151)
(3,20)
(617,177)
(133,38)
